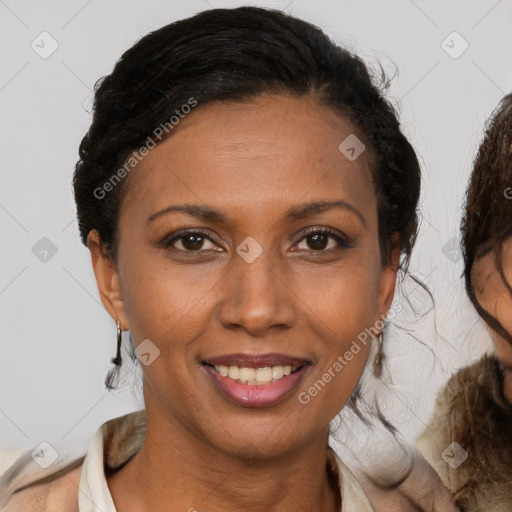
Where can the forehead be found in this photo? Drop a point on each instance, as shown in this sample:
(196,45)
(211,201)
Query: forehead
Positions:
(254,155)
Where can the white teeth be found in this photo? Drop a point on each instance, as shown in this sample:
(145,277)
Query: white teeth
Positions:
(247,375)
(253,376)
(277,372)
(234,372)
(264,374)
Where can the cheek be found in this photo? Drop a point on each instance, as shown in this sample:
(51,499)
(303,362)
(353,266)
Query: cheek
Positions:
(504,311)
(493,296)
(161,296)
(343,314)
(345,297)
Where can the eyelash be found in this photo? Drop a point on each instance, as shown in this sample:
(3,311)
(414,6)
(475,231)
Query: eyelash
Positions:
(343,242)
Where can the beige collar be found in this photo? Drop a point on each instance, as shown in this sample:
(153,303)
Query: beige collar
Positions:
(118,440)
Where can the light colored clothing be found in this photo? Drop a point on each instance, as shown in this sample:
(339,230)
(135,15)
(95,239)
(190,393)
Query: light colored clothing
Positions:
(8,457)
(79,484)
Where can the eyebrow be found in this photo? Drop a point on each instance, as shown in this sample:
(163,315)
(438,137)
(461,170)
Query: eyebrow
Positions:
(299,212)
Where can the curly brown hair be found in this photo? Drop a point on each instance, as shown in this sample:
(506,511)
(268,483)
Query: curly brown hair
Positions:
(487,219)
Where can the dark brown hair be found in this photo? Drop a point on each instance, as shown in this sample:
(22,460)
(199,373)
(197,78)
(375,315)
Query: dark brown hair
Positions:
(487,219)
(234,55)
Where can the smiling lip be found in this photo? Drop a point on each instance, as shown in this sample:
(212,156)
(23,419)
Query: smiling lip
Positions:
(257,395)
(257,360)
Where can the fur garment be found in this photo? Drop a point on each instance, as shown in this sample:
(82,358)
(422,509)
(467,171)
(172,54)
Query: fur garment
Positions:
(472,411)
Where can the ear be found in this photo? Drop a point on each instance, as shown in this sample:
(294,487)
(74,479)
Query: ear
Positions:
(107,279)
(388,278)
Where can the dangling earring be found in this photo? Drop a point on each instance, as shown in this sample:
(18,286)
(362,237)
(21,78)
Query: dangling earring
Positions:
(113,374)
(379,356)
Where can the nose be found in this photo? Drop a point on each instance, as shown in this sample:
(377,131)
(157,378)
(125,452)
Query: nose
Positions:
(257,296)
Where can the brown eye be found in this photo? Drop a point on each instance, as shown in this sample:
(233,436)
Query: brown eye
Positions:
(191,241)
(318,240)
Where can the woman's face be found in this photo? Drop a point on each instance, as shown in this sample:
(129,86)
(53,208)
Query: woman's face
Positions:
(249,288)
(494,297)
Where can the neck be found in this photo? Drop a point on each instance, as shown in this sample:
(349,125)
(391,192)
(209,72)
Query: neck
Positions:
(176,470)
